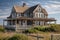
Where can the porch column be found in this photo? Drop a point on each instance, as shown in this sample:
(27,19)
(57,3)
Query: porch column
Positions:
(3,23)
(33,23)
(49,22)
(55,22)
(20,22)
(45,23)
(16,25)
(26,22)
(11,22)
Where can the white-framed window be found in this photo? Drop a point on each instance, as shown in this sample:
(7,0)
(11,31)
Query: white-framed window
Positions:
(19,15)
(41,22)
(37,22)
(36,15)
(39,15)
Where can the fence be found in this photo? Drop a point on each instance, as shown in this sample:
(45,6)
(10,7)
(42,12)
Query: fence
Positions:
(55,37)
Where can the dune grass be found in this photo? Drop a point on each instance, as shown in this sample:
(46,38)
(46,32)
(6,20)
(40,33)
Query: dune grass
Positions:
(13,35)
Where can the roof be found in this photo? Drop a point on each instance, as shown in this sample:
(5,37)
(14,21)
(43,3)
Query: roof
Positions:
(44,11)
(21,9)
(31,9)
(34,19)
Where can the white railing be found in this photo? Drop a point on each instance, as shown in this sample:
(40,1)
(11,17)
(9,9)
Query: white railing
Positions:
(10,26)
(24,27)
(17,27)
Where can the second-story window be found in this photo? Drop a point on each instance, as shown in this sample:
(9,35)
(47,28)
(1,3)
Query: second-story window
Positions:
(19,15)
(36,15)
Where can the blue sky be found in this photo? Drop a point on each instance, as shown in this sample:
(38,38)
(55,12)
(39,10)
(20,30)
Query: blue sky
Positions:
(52,7)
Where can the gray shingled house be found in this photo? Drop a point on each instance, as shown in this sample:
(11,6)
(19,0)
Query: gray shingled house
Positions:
(23,17)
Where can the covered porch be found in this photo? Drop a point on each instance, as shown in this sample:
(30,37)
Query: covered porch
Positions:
(26,23)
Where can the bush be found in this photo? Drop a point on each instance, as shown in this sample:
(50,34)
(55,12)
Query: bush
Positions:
(44,29)
(32,30)
(16,37)
(19,37)
(56,27)
(2,29)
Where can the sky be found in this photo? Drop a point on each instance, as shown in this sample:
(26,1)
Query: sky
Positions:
(52,7)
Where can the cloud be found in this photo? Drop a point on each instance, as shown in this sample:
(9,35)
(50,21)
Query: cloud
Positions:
(54,2)
(5,12)
(4,16)
(52,8)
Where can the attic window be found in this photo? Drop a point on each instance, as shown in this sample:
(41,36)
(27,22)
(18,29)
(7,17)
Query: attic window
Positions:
(36,10)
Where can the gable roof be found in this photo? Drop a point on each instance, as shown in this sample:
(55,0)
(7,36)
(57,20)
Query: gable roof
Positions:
(31,9)
(20,9)
(44,11)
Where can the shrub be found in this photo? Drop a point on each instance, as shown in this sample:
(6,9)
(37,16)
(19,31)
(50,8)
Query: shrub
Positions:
(56,27)
(32,30)
(19,37)
(44,29)
(2,29)
(16,37)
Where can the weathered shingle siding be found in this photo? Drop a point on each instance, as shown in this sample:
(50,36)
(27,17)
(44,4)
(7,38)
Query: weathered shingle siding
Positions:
(13,13)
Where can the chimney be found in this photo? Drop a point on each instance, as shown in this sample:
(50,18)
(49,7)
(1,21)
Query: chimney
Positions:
(24,4)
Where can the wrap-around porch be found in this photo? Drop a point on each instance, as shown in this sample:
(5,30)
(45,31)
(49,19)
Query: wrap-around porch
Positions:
(26,23)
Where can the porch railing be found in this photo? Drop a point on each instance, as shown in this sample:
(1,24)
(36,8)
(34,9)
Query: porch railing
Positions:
(24,27)
(10,26)
(18,26)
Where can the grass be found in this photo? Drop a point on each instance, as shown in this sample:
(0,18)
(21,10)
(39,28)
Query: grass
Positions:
(56,27)
(14,36)
(2,29)
(46,35)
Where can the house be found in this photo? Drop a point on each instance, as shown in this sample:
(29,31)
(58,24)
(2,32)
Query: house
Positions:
(22,17)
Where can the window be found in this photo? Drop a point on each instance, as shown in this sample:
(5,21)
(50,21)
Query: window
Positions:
(18,15)
(36,15)
(13,22)
(39,15)
(37,22)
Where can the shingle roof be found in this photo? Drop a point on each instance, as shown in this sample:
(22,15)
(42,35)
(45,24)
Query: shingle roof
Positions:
(31,9)
(21,9)
(44,11)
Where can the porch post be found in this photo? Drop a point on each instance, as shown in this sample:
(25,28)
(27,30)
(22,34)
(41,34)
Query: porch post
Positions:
(15,25)
(3,23)
(33,23)
(25,22)
(20,22)
(49,22)
(55,22)
(11,22)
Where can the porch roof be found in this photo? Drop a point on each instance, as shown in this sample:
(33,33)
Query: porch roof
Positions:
(32,19)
